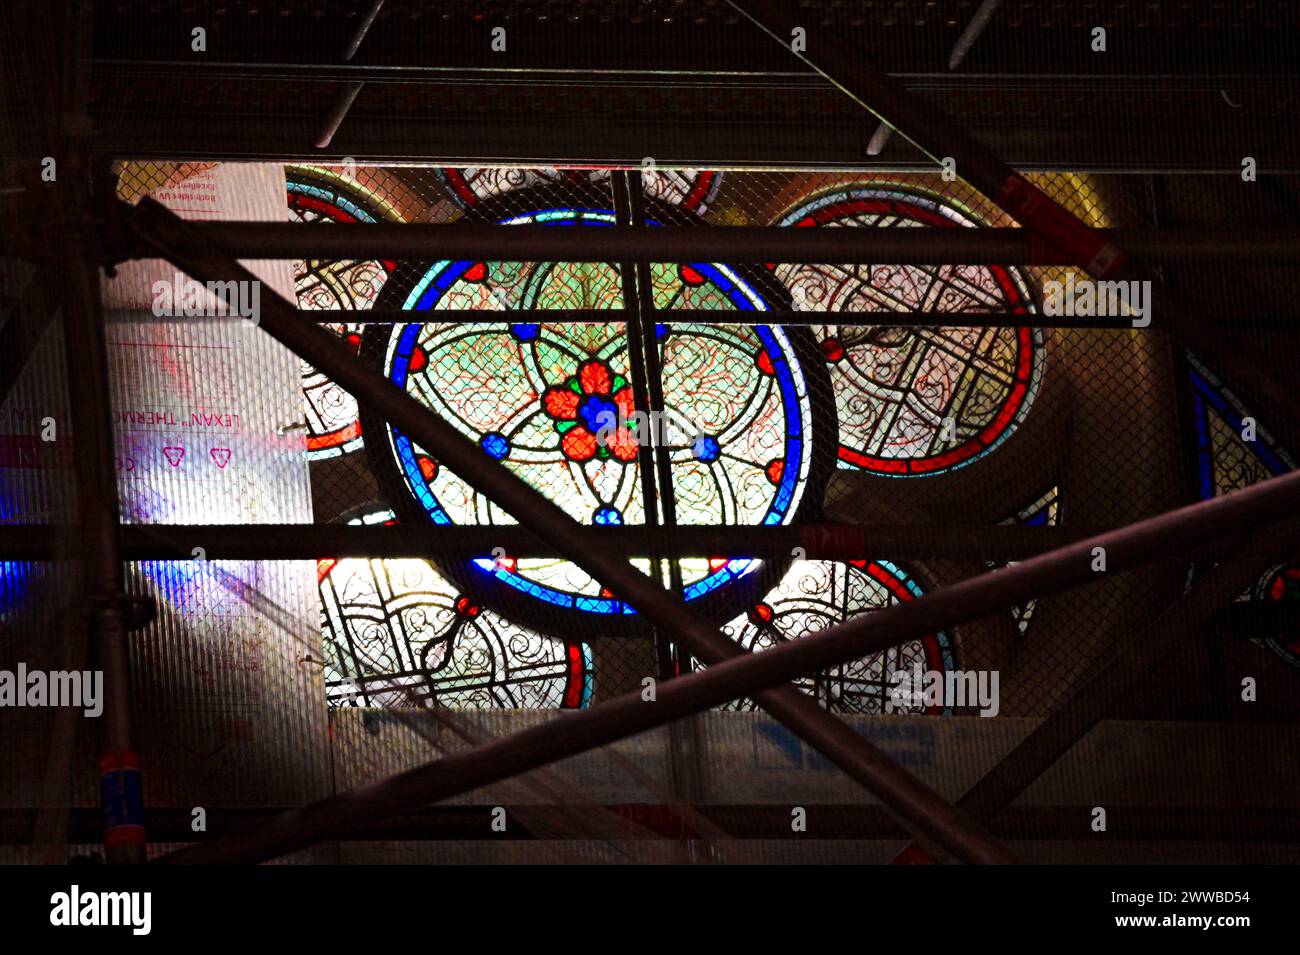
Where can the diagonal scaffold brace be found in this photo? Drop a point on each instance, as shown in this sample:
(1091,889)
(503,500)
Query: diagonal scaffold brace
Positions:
(931,818)
(1155,538)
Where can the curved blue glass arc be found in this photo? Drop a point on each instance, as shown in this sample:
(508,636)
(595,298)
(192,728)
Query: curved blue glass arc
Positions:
(439,278)
(1207,395)
(333,198)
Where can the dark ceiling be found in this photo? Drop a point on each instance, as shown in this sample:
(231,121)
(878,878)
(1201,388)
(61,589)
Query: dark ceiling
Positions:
(1182,85)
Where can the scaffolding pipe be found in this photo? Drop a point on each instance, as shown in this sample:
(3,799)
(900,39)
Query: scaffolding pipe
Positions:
(103,592)
(755,244)
(338,112)
(972,32)
(696,316)
(926,813)
(1160,537)
(1111,682)
(439,541)
(348,94)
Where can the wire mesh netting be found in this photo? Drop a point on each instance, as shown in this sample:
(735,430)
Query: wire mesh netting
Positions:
(921,426)
(383,660)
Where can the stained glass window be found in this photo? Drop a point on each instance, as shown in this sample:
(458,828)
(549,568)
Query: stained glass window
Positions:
(397,633)
(749,425)
(318,196)
(915,401)
(533,396)
(1227,459)
(816,594)
(689,189)
(739,429)
(1282,582)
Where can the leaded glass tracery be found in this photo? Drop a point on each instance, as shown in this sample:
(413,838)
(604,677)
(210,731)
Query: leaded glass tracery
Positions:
(915,401)
(751,417)
(1225,460)
(816,594)
(397,633)
(740,437)
(691,190)
(318,196)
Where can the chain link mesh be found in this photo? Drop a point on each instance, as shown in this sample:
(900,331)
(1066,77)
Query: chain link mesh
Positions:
(1064,444)
(1070,427)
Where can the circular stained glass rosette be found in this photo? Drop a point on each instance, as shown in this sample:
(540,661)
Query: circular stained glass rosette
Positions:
(333,424)
(916,401)
(1281,583)
(738,424)
(397,633)
(817,594)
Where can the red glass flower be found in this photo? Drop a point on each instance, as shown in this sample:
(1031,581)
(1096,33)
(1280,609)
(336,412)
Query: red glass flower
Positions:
(593,411)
